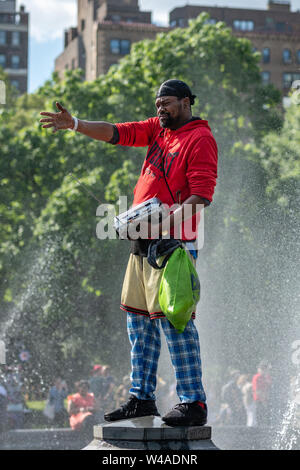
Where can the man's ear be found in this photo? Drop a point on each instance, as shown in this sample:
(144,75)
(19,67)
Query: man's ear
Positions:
(186,103)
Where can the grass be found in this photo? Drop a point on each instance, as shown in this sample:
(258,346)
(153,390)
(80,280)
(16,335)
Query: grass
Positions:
(39,405)
(36,418)
(36,405)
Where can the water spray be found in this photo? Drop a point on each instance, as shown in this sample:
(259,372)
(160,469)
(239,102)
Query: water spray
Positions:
(84,187)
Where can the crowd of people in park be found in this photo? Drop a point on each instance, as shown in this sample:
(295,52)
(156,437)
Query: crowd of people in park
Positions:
(78,406)
(244,399)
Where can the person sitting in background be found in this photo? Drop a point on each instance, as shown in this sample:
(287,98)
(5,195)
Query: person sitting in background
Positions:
(81,407)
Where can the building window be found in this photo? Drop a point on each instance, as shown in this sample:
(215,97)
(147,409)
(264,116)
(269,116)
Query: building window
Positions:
(73,64)
(125,46)
(298,56)
(2,38)
(15,61)
(287,56)
(115,46)
(15,83)
(180,22)
(269,23)
(266,77)
(266,55)
(82,25)
(242,25)
(280,27)
(120,46)
(211,21)
(2,60)
(289,78)
(15,39)
(116,18)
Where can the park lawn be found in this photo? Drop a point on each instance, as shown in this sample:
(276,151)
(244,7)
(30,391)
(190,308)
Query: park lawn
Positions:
(36,405)
(36,418)
(39,405)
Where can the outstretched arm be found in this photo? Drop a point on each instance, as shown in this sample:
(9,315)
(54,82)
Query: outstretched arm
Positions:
(98,130)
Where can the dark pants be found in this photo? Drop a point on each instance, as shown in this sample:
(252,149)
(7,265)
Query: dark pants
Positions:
(262,414)
(61,418)
(87,426)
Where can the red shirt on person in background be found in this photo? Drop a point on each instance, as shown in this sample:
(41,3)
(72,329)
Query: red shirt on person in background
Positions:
(261,383)
(83,405)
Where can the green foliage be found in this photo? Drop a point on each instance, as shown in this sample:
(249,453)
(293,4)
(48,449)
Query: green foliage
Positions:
(280,157)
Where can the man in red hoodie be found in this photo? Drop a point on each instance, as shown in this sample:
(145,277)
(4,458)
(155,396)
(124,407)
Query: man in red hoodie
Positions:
(180,167)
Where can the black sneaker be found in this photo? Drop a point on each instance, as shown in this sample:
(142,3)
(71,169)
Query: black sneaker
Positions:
(187,414)
(134,408)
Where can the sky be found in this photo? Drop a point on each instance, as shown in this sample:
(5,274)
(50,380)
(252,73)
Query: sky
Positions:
(48,20)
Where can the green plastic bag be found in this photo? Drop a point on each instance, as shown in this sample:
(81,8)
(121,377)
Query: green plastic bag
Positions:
(179,290)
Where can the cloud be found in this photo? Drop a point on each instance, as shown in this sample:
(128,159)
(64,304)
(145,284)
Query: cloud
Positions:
(48,20)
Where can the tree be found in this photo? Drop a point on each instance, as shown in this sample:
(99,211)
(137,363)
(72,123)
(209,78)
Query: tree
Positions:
(63,276)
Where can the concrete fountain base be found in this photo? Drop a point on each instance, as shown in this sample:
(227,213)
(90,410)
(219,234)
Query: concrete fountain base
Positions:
(149,433)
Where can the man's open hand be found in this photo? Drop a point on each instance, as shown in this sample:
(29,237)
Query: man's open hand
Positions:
(61,120)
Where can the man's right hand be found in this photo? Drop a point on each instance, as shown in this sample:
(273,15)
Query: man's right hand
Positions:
(61,120)
(98,130)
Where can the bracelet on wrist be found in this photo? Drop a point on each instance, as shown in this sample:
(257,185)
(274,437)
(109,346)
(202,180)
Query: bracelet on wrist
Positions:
(75,126)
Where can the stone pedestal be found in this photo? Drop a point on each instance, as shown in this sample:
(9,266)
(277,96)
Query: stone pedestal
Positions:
(150,433)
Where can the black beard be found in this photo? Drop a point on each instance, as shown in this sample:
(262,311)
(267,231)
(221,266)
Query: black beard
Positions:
(168,122)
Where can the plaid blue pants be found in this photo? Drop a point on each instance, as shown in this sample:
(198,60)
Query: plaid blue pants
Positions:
(184,348)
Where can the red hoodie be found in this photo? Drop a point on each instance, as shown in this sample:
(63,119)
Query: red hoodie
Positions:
(189,155)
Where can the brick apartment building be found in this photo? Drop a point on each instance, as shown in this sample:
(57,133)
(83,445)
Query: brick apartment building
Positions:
(104,33)
(14,43)
(274,32)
